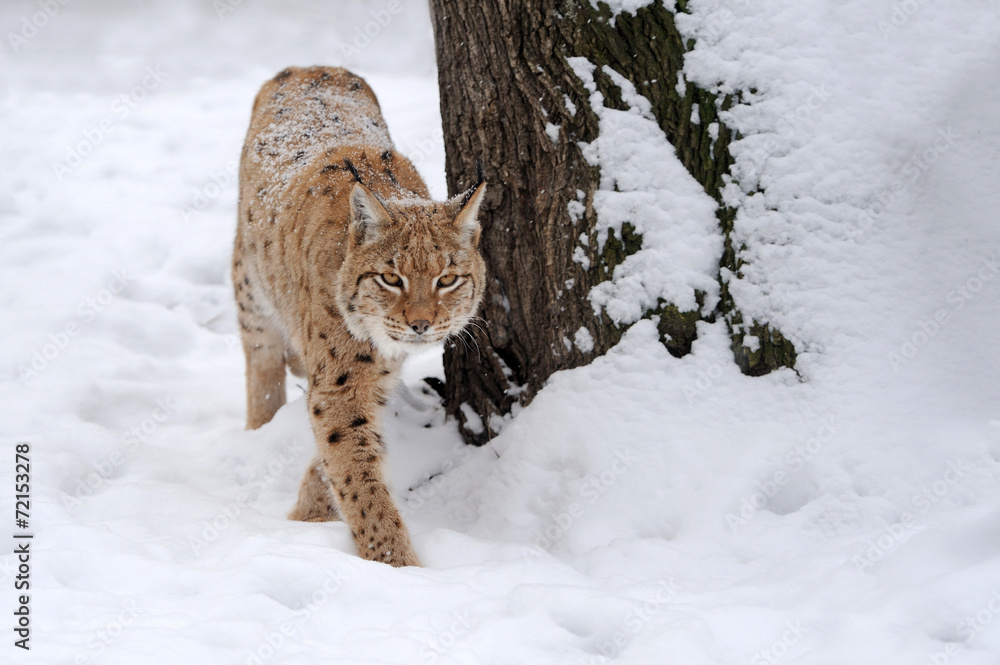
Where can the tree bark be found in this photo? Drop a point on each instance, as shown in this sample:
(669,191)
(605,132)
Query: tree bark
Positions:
(504,77)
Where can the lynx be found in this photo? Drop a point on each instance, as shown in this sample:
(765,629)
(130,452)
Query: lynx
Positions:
(342,266)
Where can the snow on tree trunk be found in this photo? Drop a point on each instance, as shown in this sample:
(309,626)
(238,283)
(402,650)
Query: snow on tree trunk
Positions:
(604,170)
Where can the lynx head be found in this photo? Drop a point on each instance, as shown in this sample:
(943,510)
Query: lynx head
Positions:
(412,274)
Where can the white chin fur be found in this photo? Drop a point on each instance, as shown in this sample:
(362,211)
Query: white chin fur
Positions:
(393,349)
(386,345)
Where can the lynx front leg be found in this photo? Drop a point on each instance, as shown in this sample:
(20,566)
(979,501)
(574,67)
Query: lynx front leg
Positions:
(344,405)
(364,501)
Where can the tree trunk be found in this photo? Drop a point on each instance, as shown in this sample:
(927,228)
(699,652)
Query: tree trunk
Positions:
(504,76)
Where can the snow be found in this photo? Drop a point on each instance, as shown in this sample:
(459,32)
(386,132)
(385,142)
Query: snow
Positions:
(291,141)
(552,131)
(643,183)
(619,6)
(641,509)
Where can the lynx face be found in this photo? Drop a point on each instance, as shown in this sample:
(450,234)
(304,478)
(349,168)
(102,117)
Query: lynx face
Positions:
(412,275)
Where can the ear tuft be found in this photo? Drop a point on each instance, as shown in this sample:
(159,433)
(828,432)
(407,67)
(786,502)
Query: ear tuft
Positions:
(368,216)
(466,221)
(480,177)
(354,171)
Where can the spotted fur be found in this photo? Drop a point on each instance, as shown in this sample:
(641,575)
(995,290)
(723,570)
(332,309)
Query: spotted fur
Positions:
(342,266)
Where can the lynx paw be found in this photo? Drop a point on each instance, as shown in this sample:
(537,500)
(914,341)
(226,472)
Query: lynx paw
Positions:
(315,502)
(395,551)
(314,513)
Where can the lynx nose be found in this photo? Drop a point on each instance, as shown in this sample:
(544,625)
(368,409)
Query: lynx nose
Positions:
(420,326)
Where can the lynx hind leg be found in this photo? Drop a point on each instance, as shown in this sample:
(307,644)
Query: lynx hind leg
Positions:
(265,360)
(294,362)
(315,503)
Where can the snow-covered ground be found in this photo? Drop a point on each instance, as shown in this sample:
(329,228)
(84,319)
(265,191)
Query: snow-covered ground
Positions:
(643,509)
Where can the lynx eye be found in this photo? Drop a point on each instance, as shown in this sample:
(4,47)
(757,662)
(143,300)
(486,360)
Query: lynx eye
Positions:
(392,279)
(447,281)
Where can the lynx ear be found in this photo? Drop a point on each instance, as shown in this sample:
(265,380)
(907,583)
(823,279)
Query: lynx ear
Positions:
(368,216)
(466,221)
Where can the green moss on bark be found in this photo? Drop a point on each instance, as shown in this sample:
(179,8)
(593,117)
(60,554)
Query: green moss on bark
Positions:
(648,50)
(678,329)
